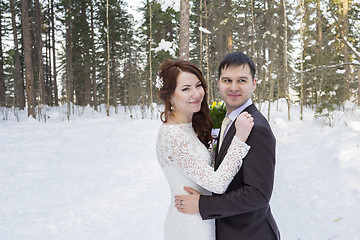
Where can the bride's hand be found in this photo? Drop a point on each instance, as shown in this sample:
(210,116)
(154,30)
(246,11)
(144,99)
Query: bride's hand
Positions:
(244,124)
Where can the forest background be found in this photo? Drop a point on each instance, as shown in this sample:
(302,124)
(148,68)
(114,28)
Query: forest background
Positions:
(88,53)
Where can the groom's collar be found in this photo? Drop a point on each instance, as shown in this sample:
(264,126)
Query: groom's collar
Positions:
(234,114)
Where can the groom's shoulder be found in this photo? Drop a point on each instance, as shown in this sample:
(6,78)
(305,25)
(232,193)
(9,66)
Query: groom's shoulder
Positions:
(259,118)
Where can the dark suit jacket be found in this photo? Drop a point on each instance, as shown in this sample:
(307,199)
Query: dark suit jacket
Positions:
(243,211)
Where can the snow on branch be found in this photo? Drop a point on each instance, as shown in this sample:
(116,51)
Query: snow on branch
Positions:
(356,63)
(352,48)
(166,46)
(165,4)
(357,54)
(204,30)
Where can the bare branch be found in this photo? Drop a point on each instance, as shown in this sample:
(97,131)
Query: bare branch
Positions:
(327,66)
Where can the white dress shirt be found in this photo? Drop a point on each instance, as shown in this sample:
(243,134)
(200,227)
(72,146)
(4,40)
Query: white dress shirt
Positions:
(234,114)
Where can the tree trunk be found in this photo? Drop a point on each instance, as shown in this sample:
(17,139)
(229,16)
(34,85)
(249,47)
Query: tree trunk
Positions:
(302,11)
(108,61)
(125,82)
(150,58)
(2,77)
(40,64)
(113,77)
(29,74)
(19,81)
(210,95)
(69,62)
(286,72)
(271,55)
(252,31)
(229,27)
(87,81)
(359,86)
(48,78)
(201,39)
(345,29)
(184,29)
(319,53)
(56,96)
(93,57)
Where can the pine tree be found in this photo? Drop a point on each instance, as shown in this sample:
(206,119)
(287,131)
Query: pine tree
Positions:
(55,72)
(184,29)
(93,58)
(163,27)
(2,77)
(19,89)
(39,47)
(69,57)
(29,73)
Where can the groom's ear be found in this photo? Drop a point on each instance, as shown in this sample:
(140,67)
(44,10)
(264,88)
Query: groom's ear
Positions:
(254,85)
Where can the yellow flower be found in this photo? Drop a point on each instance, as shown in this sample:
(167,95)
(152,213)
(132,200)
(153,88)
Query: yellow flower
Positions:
(213,105)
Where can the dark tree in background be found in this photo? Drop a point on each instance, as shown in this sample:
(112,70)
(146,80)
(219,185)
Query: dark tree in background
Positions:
(56,50)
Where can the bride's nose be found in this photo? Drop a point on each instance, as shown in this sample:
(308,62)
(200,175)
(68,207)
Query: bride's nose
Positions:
(197,93)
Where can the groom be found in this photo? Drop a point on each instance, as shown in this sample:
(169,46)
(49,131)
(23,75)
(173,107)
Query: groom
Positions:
(243,211)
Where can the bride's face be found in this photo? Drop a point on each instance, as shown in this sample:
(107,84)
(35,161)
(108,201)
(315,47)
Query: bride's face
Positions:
(188,95)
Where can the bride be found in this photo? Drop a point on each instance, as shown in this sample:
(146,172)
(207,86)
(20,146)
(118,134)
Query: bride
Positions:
(184,146)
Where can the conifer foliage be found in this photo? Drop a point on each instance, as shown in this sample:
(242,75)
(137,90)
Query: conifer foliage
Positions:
(55,52)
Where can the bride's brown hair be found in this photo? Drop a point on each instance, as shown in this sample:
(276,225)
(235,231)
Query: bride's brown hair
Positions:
(169,72)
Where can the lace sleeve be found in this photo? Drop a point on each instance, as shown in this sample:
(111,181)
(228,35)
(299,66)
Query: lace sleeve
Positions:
(189,156)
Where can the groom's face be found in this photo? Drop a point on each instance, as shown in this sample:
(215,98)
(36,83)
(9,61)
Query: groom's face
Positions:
(236,85)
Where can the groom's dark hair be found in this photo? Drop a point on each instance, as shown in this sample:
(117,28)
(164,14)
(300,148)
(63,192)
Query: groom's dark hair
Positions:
(235,59)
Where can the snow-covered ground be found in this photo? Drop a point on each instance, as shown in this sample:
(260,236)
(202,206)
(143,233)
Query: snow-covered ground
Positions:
(97,177)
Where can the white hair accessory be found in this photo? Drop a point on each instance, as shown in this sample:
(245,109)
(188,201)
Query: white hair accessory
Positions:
(159,82)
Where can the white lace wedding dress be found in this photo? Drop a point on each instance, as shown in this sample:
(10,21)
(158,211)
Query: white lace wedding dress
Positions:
(187,162)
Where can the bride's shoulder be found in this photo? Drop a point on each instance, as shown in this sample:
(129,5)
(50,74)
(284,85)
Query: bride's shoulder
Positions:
(170,122)
(169,127)
(172,129)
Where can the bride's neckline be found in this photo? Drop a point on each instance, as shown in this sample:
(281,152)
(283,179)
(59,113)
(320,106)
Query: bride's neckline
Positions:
(174,121)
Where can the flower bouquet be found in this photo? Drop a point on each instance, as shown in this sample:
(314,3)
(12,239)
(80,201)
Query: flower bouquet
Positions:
(217,113)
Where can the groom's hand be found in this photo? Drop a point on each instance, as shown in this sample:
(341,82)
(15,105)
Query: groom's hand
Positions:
(188,203)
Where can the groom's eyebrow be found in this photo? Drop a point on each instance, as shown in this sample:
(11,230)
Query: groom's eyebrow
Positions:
(241,77)
(237,77)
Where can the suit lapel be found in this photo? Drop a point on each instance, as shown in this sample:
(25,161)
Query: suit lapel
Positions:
(219,155)
(225,145)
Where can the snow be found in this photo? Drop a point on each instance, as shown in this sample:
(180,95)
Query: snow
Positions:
(97,177)
(204,30)
(166,46)
(352,48)
(175,4)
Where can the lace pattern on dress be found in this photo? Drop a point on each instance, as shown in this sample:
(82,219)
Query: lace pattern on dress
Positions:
(179,145)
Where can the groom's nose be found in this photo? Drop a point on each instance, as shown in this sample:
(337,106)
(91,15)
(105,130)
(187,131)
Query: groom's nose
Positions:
(234,86)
